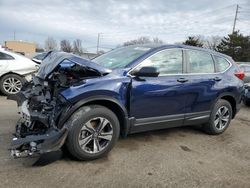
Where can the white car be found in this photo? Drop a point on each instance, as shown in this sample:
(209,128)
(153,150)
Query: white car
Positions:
(15,69)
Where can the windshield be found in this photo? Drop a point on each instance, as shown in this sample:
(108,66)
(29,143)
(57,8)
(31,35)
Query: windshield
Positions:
(43,55)
(120,57)
(40,56)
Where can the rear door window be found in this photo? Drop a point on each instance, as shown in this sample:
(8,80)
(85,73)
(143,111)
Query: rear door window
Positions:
(200,62)
(221,64)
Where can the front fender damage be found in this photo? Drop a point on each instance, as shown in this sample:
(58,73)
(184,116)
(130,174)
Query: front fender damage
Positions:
(41,105)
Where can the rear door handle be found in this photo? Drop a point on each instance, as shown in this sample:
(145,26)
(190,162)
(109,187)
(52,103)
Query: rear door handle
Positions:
(217,79)
(182,80)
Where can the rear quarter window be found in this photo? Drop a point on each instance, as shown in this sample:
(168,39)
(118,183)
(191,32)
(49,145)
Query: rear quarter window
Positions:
(221,64)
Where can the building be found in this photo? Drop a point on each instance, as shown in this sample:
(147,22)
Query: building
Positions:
(26,48)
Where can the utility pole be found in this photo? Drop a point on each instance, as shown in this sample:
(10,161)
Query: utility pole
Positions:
(98,42)
(235,18)
(14,35)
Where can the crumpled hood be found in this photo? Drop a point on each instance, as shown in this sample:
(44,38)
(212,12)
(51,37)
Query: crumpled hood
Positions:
(55,58)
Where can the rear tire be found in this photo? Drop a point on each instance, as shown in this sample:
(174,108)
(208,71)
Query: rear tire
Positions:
(220,118)
(94,131)
(11,84)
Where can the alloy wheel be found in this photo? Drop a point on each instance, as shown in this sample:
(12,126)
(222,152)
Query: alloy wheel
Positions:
(95,135)
(222,118)
(12,85)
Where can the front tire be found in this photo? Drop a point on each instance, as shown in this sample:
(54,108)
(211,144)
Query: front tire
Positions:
(220,118)
(11,84)
(94,131)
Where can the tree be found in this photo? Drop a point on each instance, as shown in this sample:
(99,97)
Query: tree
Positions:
(193,41)
(156,40)
(77,47)
(66,46)
(237,46)
(142,40)
(39,49)
(212,42)
(50,44)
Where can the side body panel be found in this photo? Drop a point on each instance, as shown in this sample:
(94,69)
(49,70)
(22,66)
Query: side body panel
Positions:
(159,96)
(113,86)
(3,66)
(155,103)
(19,65)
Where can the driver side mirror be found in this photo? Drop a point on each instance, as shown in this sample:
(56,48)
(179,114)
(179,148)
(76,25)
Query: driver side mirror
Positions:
(146,72)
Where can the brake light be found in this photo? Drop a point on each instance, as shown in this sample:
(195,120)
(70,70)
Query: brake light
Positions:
(240,75)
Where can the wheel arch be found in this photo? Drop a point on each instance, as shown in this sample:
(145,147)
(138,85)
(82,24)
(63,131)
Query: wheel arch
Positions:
(113,104)
(231,99)
(10,73)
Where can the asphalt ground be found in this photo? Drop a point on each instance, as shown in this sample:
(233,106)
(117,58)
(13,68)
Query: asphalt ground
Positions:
(177,157)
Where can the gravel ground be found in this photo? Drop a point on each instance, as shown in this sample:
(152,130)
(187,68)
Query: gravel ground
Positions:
(179,157)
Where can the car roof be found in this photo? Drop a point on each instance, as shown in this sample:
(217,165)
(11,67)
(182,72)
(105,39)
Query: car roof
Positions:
(155,46)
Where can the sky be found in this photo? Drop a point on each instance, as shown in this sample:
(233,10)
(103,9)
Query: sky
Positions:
(119,20)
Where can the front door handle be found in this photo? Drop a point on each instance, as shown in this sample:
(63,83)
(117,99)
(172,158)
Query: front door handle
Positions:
(217,79)
(182,80)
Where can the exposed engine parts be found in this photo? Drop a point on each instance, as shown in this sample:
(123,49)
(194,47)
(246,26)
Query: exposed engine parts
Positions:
(41,106)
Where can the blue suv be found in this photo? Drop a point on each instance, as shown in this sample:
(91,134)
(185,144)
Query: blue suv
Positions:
(84,106)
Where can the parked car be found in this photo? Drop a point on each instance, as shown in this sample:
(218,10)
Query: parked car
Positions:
(38,58)
(246,96)
(86,105)
(246,69)
(15,69)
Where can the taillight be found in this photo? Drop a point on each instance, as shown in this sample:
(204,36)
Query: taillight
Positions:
(240,75)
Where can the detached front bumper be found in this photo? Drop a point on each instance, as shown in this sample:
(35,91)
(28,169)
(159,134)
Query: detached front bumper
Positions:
(31,145)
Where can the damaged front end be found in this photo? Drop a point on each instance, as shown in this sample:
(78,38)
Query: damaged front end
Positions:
(36,130)
(41,106)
